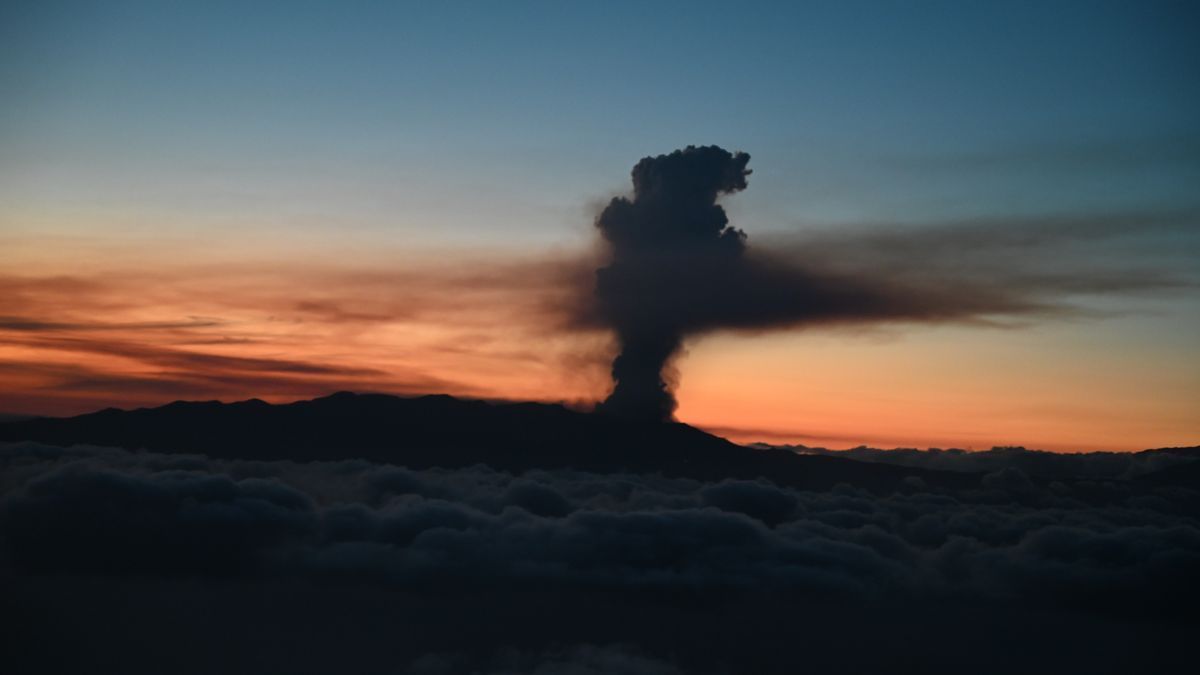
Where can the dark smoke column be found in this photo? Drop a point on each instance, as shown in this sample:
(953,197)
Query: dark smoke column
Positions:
(671,228)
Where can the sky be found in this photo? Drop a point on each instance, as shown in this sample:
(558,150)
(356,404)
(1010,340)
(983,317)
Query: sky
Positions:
(281,200)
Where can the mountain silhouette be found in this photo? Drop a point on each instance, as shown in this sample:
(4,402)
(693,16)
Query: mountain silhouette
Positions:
(443,431)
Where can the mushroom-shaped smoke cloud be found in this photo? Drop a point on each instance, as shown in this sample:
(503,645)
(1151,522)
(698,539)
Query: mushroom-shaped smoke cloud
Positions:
(671,228)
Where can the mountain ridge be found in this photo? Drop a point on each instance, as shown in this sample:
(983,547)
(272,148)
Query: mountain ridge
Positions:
(438,430)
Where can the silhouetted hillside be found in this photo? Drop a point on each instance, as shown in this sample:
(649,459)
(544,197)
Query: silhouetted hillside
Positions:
(444,431)
(1038,464)
(1184,475)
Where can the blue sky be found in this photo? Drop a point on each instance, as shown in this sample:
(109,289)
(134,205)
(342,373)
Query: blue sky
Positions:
(508,120)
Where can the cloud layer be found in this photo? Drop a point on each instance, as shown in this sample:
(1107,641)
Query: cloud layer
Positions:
(1096,550)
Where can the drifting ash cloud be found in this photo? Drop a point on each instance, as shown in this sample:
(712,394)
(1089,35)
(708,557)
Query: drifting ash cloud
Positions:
(678,269)
(368,568)
(543,324)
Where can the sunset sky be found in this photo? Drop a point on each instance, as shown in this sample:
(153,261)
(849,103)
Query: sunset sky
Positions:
(283,200)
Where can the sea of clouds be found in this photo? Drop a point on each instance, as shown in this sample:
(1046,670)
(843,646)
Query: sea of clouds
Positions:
(1098,551)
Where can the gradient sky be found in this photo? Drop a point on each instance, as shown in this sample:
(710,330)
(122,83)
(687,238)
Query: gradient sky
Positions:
(226,200)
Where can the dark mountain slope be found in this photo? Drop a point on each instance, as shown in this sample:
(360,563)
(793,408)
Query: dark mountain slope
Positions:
(448,432)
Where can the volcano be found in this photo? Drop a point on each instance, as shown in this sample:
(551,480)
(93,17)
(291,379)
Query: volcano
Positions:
(448,432)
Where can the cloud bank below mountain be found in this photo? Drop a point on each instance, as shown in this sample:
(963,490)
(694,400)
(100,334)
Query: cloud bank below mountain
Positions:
(1091,553)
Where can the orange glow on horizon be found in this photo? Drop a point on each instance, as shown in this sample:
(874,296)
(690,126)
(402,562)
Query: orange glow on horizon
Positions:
(82,331)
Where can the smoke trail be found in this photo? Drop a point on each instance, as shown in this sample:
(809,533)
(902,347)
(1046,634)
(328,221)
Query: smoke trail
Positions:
(678,269)
(672,221)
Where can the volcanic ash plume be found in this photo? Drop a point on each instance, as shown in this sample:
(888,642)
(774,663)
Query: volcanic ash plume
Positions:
(671,229)
(678,269)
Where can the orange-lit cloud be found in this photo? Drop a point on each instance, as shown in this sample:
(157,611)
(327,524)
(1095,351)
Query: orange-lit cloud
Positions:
(73,343)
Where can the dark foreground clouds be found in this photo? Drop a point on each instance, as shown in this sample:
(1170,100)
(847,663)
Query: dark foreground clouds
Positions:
(475,570)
